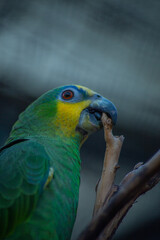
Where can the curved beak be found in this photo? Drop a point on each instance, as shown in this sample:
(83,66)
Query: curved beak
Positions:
(103,105)
(90,118)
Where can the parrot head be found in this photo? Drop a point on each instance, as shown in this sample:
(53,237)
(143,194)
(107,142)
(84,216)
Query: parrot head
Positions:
(67,111)
(80,109)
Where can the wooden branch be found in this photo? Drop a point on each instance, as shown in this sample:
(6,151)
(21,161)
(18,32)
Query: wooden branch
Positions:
(125,185)
(110,164)
(113,202)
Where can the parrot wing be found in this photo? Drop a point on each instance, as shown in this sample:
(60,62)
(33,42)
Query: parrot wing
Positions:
(24,169)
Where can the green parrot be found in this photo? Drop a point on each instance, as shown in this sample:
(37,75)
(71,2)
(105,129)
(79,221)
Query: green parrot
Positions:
(40,163)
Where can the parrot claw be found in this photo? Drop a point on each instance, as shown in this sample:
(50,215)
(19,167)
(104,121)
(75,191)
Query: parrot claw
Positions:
(50,177)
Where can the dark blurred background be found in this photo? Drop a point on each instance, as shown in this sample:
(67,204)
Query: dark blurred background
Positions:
(110,46)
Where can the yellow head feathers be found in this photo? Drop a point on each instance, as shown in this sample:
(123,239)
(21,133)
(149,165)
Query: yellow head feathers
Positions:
(69,111)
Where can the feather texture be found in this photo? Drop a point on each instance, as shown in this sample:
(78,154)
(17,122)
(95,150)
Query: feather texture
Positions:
(23,167)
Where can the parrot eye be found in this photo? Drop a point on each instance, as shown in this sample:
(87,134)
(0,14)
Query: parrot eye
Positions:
(67,94)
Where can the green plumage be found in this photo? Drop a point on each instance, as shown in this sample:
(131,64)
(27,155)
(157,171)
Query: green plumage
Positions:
(47,135)
(27,210)
(56,206)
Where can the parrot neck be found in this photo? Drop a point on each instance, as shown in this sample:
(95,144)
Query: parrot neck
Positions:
(28,130)
(39,119)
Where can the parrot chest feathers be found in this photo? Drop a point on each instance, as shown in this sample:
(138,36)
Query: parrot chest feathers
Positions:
(59,200)
(46,185)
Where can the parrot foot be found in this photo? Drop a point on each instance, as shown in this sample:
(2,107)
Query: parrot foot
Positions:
(50,176)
